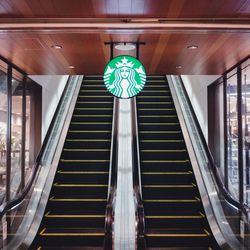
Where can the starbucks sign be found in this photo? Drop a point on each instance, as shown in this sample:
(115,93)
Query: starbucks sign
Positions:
(124,76)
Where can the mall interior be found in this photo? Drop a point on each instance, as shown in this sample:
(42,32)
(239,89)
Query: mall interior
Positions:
(89,161)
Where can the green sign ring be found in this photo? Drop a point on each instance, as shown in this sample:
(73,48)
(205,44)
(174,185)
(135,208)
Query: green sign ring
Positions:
(124,76)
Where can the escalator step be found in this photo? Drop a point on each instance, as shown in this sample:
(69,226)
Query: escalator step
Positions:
(69,248)
(178,237)
(175,220)
(72,236)
(67,219)
(174,214)
(159,191)
(74,216)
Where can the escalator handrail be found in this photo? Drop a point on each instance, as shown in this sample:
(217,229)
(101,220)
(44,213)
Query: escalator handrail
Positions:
(228,197)
(21,197)
(109,217)
(137,179)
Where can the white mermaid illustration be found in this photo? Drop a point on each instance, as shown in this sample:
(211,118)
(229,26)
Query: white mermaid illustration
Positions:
(125,80)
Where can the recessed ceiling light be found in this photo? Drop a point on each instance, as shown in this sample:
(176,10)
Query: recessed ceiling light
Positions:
(192,47)
(125,47)
(56,46)
(178,67)
(71,67)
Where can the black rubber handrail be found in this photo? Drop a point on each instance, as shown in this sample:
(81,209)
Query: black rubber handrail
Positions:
(242,207)
(109,217)
(20,198)
(140,227)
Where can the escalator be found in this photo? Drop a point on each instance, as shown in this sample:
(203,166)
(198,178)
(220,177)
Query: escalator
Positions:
(74,216)
(174,214)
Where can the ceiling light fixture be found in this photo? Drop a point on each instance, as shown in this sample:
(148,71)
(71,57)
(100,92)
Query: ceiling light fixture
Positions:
(125,46)
(71,67)
(56,46)
(192,47)
(178,67)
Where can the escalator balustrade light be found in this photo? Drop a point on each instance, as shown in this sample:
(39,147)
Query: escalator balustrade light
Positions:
(124,76)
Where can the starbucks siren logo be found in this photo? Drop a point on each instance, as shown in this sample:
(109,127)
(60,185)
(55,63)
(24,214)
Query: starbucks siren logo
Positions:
(124,76)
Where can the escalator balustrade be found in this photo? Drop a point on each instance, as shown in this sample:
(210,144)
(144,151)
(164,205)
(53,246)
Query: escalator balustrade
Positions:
(174,214)
(75,213)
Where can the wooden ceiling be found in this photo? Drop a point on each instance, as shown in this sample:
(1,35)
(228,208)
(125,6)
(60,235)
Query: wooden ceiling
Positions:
(166,47)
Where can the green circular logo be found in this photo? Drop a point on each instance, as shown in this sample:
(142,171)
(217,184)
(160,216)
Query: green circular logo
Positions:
(124,76)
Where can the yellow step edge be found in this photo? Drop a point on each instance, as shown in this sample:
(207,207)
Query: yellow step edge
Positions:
(155,86)
(149,81)
(157,96)
(169,201)
(49,215)
(88,140)
(167,173)
(89,131)
(163,150)
(85,150)
(155,109)
(94,102)
(173,217)
(162,140)
(152,116)
(42,233)
(76,199)
(94,80)
(176,235)
(203,215)
(63,160)
(154,103)
(96,96)
(165,161)
(94,90)
(94,123)
(155,91)
(159,132)
(93,85)
(173,201)
(92,115)
(82,172)
(39,248)
(79,185)
(159,124)
(206,231)
(94,109)
(167,186)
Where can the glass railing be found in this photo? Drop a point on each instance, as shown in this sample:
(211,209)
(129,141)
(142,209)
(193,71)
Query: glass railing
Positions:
(228,219)
(20,217)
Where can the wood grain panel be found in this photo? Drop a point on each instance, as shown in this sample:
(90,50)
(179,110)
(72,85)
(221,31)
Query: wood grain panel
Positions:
(218,50)
(162,52)
(124,8)
(147,51)
(159,48)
